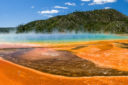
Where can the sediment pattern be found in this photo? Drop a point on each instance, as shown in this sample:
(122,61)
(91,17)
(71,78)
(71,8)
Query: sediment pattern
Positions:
(60,62)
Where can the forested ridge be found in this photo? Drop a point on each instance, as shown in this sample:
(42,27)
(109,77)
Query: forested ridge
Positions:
(104,20)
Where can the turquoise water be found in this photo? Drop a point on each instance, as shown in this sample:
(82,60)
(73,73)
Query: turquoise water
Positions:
(57,37)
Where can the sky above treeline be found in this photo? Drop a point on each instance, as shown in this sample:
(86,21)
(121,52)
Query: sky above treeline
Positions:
(16,12)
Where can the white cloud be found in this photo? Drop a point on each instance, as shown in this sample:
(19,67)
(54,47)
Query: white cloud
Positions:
(102,2)
(48,12)
(107,8)
(61,7)
(70,4)
(91,4)
(85,0)
(48,15)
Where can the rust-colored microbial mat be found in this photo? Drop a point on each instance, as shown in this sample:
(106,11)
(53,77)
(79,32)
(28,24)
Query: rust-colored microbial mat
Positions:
(83,63)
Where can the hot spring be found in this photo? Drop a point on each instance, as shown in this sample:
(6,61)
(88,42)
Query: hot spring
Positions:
(57,37)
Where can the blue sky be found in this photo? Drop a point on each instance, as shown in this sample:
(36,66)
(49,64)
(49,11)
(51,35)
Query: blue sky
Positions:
(15,12)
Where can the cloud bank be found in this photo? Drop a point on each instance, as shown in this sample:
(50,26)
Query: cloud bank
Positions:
(85,0)
(48,11)
(102,2)
(70,4)
(61,7)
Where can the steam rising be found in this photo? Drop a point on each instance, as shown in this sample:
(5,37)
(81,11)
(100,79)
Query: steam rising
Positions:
(56,37)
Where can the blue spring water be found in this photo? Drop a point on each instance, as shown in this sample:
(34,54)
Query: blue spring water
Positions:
(57,37)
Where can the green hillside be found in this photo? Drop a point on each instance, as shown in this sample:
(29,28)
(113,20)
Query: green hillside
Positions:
(105,20)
